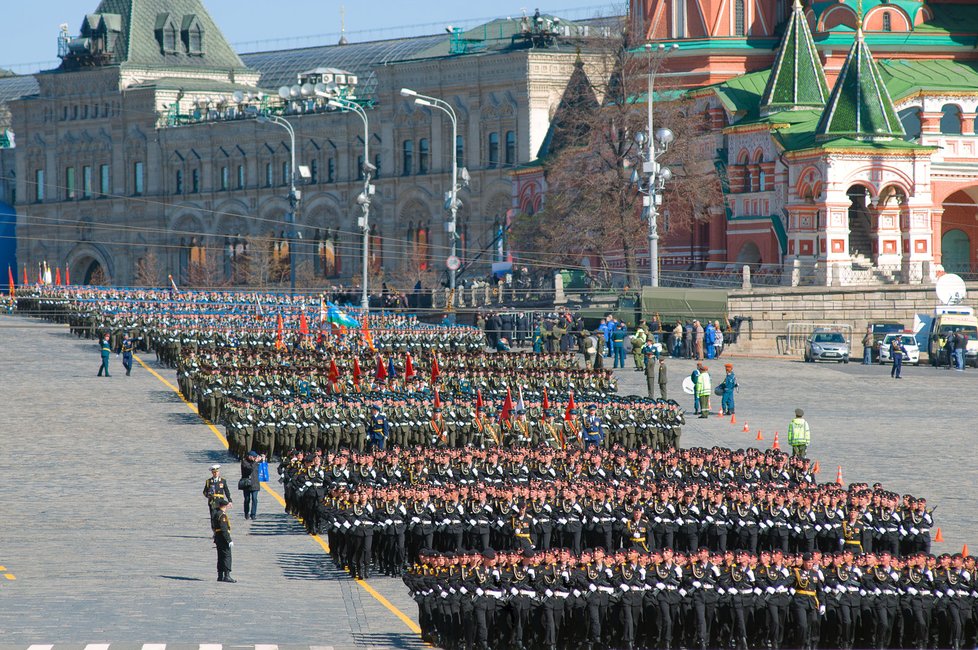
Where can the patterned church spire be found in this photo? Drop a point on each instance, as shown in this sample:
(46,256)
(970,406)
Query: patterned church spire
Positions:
(797,79)
(860,106)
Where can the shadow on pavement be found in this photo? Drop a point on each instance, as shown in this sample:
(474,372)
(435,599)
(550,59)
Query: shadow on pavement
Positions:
(163,397)
(213,456)
(183,418)
(275,524)
(308,566)
(182,578)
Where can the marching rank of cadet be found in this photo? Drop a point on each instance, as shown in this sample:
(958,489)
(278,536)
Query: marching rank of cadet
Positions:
(633,598)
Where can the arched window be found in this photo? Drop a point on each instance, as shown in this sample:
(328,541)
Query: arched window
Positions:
(423,151)
(408,156)
(493,149)
(314,171)
(195,40)
(739,18)
(460,150)
(195,181)
(178,186)
(510,148)
(951,120)
(887,22)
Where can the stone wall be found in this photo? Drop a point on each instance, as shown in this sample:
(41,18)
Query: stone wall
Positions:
(774,308)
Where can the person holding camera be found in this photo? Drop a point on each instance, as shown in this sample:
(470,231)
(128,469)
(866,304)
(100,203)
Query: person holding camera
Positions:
(249,483)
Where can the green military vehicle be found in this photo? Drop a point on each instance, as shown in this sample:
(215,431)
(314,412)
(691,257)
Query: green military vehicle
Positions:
(671,304)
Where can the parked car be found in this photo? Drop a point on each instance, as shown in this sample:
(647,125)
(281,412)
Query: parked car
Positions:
(911,351)
(826,345)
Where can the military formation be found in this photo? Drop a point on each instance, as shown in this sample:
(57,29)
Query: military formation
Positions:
(524,502)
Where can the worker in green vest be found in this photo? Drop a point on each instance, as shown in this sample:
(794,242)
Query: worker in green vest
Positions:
(799,434)
(703,389)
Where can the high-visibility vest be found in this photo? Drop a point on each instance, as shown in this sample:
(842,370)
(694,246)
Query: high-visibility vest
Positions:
(703,385)
(799,433)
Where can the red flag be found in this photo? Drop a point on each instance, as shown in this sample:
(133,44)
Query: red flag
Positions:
(57,277)
(26,281)
(507,411)
(279,327)
(303,324)
(408,367)
(356,370)
(334,372)
(437,400)
(545,405)
(478,400)
(10,280)
(381,369)
(67,277)
(435,370)
(570,405)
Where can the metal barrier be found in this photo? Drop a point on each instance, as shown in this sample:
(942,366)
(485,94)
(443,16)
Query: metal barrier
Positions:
(798,333)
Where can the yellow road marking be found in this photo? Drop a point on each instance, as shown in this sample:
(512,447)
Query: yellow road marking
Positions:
(9,576)
(3,568)
(319,540)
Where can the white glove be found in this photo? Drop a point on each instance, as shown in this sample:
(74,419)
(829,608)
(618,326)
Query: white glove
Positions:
(821,610)
(230,544)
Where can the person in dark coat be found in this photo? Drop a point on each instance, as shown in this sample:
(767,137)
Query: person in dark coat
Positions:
(249,483)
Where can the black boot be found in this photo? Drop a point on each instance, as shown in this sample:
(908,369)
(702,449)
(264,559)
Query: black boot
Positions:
(220,576)
(228,578)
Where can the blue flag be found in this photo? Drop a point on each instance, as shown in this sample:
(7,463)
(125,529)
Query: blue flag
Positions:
(391,369)
(336,315)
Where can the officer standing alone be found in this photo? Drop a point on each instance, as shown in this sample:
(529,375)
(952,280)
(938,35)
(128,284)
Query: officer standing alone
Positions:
(896,354)
(222,540)
(799,434)
(215,489)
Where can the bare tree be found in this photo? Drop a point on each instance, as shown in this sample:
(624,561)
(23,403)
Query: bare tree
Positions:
(260,261)
(593,209)
(149,271)
(206,273)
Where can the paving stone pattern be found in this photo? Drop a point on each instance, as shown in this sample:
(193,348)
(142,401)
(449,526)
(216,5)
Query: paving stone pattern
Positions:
(107,532)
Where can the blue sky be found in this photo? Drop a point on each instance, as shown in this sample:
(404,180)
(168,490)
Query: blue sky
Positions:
(247,22)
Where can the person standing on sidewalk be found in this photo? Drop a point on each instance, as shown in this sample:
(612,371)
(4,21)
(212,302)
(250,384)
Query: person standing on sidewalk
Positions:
(868,346)
(799,434)
(222,540)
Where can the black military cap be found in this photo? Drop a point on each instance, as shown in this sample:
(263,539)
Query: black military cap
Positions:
(489,554)
(806,557)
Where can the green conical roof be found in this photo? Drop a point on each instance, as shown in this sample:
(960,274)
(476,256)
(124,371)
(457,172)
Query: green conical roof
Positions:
(860,106)
(797,80)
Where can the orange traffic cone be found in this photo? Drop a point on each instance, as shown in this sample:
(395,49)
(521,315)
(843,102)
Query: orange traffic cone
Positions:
(777,444)
(838,476)
(759,436)
(746,428)
(939,537)
(733,418)
(817,468)
(964,550)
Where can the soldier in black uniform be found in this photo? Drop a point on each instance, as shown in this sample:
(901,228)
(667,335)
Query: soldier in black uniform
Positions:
(215,487)
(222,539)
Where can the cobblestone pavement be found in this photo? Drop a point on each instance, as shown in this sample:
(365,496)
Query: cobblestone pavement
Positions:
(106,532)
(915,435)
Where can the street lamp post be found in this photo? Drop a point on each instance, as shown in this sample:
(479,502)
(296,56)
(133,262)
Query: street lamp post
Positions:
(294,195)
(368,190)
(657,174)
(452,195)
